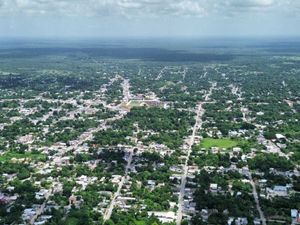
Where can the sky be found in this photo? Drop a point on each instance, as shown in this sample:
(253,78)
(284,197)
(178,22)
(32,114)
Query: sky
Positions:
(149,18)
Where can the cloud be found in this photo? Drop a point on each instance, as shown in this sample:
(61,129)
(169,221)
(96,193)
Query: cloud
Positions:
(128,8)
(251,3)
(141,8)
(148,17)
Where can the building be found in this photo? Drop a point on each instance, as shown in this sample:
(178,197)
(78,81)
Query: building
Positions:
(277,191)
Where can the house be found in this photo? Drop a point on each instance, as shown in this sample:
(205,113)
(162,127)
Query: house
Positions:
(41,194)
(233,133)
(204,214)
(237,221)
(42,219)
(279,136)
(6,199)
(116,179)
(28,213)
(245,171)
(230,221)
(294,213)
(236,149)
(172,205)
(27,139)
(277,191)
(215,150)
(280,189)
(193,169)
(164,217)
(295,216)
(256,221)
(176,169)
(151,184)
(262,182)
(241,221)
(84,181)
(213,188)
(124,202)
(72,200)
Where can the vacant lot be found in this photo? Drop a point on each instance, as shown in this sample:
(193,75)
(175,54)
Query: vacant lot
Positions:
(221,143)
(28,155)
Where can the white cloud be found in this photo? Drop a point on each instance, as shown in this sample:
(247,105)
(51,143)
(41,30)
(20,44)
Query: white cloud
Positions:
(148,17)
(141,8)
(251,3)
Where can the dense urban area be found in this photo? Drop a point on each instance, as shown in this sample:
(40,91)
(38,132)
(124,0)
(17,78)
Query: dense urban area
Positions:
(149,136)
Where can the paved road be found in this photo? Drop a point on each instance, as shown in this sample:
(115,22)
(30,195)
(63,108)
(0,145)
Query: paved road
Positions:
(126,91)
(112,204)
(109,210)
(185,168)
(256,199)
(184,73)
(86,136)
(160,73)
(79,141)
(41,209)
(197,125)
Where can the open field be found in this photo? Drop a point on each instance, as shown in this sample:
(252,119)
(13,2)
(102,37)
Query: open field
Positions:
(134,103)
(221,143)
(14,155)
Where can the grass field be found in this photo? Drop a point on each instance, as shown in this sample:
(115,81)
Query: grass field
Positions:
(134,103)
(221,143)
(28,155)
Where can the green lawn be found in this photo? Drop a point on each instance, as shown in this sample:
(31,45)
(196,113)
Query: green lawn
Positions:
(221,143)
(28,155)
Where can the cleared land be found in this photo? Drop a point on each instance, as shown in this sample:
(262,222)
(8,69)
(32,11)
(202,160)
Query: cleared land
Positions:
(27,155)
(221,143)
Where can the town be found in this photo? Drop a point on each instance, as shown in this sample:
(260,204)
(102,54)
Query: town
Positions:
(93,140)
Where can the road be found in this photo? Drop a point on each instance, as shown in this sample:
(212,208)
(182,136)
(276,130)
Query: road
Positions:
(77,142)
(256,199)
(185,168)
(244,112)
(184,73)
(160,73)
(197,125)
(41,209)
(87,136)
(126,91)
(204,75)
(109,210)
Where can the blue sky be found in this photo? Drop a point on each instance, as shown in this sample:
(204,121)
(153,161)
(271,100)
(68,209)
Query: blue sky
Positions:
(144,18)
